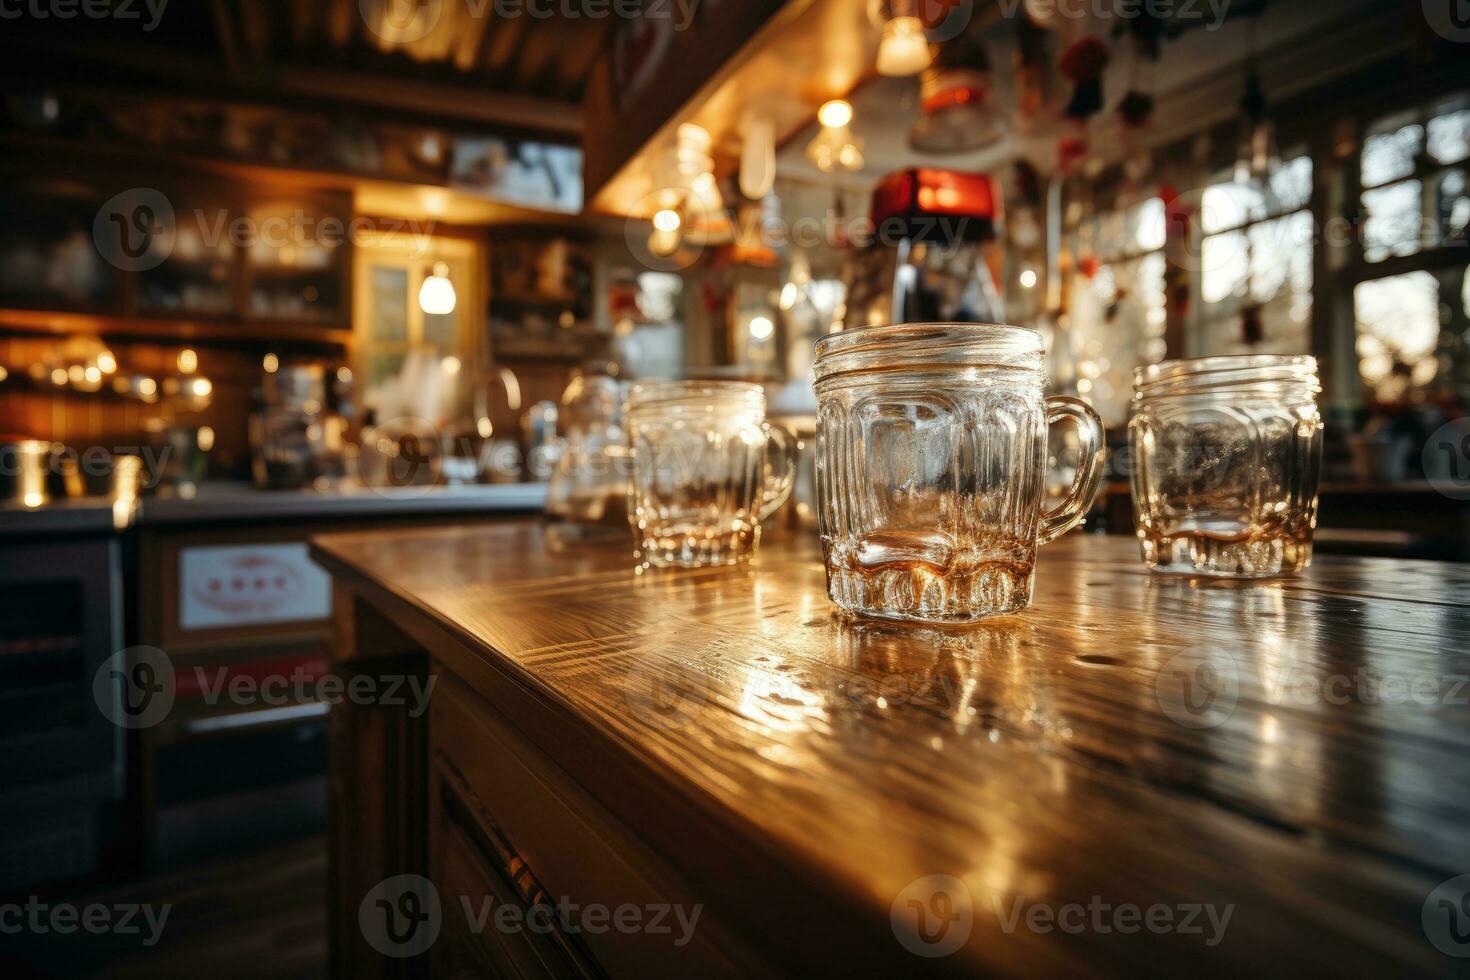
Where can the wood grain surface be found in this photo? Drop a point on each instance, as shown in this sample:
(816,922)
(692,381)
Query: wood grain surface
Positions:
(1290,752)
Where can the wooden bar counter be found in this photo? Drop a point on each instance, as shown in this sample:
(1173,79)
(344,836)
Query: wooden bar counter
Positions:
(1141,774)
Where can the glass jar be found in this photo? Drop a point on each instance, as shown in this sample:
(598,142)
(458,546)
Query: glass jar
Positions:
(1227,452)
(707,470)
(931,465)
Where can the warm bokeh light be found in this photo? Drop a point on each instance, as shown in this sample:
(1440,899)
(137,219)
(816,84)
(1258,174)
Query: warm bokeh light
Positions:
(835,114)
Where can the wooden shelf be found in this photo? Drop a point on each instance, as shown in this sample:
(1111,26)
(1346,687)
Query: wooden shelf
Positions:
(201,331)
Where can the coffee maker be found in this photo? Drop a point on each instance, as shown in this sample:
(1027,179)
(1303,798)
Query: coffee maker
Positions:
(295,441)
(933,256)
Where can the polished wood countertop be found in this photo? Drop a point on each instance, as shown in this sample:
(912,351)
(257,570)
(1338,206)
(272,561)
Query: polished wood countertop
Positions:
(1292,750)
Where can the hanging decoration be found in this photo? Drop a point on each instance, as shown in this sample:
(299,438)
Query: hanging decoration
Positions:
(689,204)
(904,49)
(959,115)
(1030,72)
(1045,14)
(758,156)
(1258,159)
(835,147)
(1083,64)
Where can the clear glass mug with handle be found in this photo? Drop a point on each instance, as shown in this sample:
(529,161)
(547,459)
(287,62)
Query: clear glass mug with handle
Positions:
(931,469)
(707,470)
(1227,454)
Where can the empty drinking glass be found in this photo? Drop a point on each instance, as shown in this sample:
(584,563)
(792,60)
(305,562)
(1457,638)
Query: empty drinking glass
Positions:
(1226,457)
(931,465)
(707,470)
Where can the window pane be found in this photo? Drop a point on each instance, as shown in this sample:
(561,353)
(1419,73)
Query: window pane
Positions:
(1452,203)
(1394,221)
(441,330)
(1281,283)
(1118,322)
(1110,240)
(1292,185)
(1224,269)
(389,314)
(383,367)
(1146,226)
(1398,333)
(1449,136)
(1390,155)
(1230,205)
(1281,258)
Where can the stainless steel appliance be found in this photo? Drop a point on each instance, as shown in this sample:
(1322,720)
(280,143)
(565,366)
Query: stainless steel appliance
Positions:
(291,433)
(60,609)
(933,258)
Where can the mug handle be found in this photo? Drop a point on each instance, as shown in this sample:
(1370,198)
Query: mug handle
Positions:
(1073,509)
(777,491)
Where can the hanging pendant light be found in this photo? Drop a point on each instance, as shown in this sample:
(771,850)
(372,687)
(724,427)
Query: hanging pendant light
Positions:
(758,157)
(436,295)
(959,115)
(904,49)
(835,148)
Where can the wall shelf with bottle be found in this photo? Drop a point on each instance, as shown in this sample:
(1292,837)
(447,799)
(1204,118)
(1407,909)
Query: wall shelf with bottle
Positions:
(173,256)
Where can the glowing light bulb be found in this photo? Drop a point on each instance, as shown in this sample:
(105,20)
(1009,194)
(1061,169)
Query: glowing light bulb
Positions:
(667,220)
(904,49)
(436,295)
(761,328)
(835,114)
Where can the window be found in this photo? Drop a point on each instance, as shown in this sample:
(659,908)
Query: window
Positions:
(1411,322)
(1117,306)
(393,328)
(1255,266)
(1398,333)
(1414,180)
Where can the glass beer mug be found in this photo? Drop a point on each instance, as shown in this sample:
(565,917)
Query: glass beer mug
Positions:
(1227,452)
(707,470)
(931,465)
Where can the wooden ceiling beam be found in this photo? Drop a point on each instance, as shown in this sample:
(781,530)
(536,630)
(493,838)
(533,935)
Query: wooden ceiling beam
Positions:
(430,98)
(443,103)
(229,37)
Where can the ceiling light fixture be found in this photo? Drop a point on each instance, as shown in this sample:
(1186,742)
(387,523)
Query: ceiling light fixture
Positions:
(436,295)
